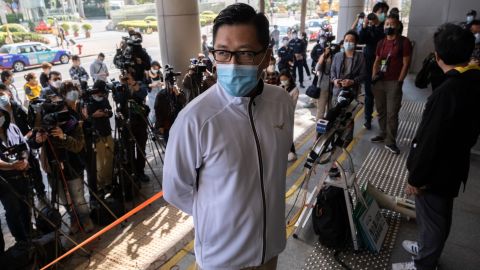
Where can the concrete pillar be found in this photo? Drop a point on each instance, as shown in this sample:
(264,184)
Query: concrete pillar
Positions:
(347,14)
(303,15)
(178,31)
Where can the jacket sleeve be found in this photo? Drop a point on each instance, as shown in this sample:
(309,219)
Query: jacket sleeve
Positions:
(74,143)
(333,69)
(182,162)
(425,146)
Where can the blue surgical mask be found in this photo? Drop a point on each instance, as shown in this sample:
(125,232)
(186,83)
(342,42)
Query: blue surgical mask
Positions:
(381,17)
(4,101)
(349,46)
(342,49)
(477,38)
(469,18)
(237,80)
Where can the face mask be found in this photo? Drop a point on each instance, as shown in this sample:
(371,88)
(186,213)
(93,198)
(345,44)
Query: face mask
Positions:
(4,101)
(284,83)
(381,17)
(2,121)
(389,31)
(360,21)
(237,80)
(285,43)
(271,69)
(72,96)
(322,40)
(477,38)
(342,49)
(349,46)
(469,19)
(57,84)
(295,36)
(97,98)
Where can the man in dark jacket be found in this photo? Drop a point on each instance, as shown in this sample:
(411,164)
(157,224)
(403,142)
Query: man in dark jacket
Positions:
(168,104)
(440,153)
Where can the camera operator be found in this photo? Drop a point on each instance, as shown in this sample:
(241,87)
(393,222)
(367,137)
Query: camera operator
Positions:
(168,104)
(62,141)
(54,83)
(322,70)
(7,78)
(78,73)
(13,170)
(19,117)
(138,119)
(134,56)
(156,81)
(100,112)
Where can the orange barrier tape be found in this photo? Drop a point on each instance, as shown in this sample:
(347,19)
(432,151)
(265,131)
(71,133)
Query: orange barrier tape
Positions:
(109,227)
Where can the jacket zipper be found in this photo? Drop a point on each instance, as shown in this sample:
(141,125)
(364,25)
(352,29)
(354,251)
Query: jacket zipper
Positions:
(260,163)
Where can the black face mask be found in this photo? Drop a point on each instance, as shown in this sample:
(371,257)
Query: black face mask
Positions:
(389,31)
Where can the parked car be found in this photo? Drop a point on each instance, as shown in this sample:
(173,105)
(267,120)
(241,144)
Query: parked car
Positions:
(20,55)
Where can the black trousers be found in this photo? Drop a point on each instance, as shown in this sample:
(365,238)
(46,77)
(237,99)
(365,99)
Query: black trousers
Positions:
(140,131)
(16,210)
(434,220)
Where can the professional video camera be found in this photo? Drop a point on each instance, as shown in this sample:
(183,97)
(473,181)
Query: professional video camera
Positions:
(197,66)
(15,152)
(170,75)
(130,49)
(345,97)
(54,119)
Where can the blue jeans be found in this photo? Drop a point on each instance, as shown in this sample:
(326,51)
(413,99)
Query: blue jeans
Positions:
(16,211)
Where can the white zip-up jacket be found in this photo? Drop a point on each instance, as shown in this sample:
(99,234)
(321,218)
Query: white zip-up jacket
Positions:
(225,164)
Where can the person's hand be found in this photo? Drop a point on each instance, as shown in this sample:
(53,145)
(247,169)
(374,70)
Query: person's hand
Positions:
(347,83)
(41,137)
(57,132)
(337,83)
(411,190)
(99,113)
(20,165)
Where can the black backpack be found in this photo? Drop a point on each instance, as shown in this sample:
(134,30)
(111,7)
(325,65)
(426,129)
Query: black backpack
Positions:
(313,91)
(330,218)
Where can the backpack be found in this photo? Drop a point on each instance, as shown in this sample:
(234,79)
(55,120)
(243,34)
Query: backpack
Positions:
(313,91)
(424,75)
(330,218)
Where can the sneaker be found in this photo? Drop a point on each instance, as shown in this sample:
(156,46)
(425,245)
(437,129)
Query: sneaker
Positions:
(88,225)
(377,139)
(411,247)
(301,85)
(393,148)
(404,266)
(367,125)
(292,156)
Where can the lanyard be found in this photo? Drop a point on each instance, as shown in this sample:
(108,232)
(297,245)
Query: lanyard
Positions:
(391,50)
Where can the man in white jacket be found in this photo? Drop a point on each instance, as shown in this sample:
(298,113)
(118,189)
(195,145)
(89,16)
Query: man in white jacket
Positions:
(226,159)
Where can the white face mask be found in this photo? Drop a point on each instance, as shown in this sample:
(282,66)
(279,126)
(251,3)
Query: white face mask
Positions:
(469,18)
(285,83)
(57,84)
(97,98)
(271,68)
(477,38)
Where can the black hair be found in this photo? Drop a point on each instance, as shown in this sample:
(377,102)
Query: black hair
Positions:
(380,5)
(453,44)
(155,63)
(395,10)
(241,13)
(3,87)
(99,85)
(5,74)
(75,58)
(52,73)
(353,33)
(372,16)
(475,22)
(287,74)
(29,76)
(101,55)
(472,13)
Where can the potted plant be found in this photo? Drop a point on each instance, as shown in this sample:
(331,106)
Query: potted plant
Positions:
(65,27)
(87,27)
(75,29)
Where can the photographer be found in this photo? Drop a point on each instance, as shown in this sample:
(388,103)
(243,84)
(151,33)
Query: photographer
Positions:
(100,112)
(134,107)
(391,65)
(62,141)
(168,104)
(131,55)
(348,68)
(54,83)
(78,73)
(13,171)
(7,78)
(192,84)
(156,82)
(322,70)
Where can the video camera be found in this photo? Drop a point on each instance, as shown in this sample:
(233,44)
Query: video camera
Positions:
(130,48)
(15,152)
(344,99)
(54,119)
(197,66)
(170,75)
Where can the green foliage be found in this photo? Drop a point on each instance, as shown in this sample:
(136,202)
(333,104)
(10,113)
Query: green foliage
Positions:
(65,26)
(141,24)
(22,37)
(64,18)
(86,27)
(13,27)
(75,28)
(208,16)
(14,18)
(31,25)
(150,18)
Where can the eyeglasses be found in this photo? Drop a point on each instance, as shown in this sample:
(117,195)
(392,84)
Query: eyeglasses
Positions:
(242,57)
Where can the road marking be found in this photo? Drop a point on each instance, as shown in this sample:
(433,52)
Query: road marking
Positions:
(178,257)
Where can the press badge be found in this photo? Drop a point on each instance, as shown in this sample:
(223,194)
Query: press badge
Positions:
(383,65)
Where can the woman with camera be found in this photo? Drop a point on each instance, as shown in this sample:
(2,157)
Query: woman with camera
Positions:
(322,69)
(348,67)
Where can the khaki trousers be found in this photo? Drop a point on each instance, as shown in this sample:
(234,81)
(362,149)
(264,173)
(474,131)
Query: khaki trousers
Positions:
(105,148)
(270,265)
(388,101)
